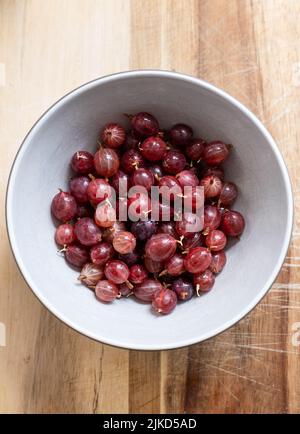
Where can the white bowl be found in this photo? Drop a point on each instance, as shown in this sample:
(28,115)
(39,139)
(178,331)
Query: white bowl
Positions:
(73,123)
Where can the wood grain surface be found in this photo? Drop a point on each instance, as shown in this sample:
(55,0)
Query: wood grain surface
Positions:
(251,49)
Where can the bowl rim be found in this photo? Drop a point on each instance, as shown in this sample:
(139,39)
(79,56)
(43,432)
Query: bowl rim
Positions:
(137,74)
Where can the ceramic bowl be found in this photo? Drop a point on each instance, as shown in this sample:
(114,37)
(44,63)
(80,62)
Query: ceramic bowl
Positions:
(73,123)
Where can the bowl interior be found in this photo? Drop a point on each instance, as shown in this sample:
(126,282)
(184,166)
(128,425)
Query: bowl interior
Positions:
(74,123)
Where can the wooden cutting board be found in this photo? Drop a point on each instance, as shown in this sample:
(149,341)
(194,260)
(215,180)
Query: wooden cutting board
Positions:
(249,48)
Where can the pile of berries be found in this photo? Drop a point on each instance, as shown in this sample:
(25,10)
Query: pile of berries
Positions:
(159,262)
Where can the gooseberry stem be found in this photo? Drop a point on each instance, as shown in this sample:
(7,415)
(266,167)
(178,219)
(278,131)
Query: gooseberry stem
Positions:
(129,285)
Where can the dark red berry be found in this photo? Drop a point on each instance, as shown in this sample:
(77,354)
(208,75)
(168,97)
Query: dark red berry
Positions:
(113,135)
(180,135)
(164,301)
(145,124)
(153,149)
(82,162)
(215,153)
(64,206)
(233,223)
